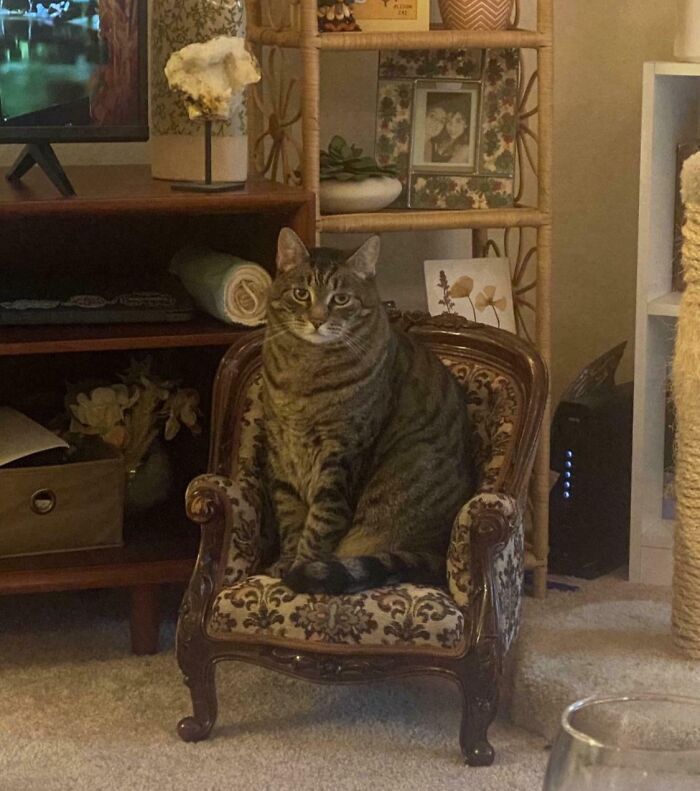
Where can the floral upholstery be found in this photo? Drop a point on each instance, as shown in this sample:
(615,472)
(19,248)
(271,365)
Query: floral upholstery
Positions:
(458,560)
(510,567)
(244,545)
(493,406)
(403,617)
(509,562)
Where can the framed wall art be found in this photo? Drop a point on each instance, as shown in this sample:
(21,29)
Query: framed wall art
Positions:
(479,289)
(447,120)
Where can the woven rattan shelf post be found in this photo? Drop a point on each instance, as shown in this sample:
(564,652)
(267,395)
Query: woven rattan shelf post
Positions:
(310,43)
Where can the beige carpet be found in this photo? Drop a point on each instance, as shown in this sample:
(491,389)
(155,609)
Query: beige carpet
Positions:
(611,637)
(79,713)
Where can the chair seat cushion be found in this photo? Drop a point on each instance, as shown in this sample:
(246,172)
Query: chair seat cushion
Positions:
(396,617)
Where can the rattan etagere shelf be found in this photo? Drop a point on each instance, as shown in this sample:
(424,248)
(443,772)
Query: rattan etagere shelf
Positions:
(263,31)
(430,39)
(421,220)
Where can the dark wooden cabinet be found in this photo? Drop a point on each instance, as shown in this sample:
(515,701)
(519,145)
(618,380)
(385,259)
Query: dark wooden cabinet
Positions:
(122,219)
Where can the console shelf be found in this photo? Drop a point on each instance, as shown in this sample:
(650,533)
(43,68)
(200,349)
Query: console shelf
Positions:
(129,189)
(152,554)
(122,218)
(52,339)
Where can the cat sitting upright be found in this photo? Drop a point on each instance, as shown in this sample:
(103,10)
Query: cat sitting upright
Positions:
(367,460)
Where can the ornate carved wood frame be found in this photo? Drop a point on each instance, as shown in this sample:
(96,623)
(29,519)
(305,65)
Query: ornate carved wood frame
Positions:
(478,669)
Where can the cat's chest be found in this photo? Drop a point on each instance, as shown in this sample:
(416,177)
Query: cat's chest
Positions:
(297,454)
(300,446)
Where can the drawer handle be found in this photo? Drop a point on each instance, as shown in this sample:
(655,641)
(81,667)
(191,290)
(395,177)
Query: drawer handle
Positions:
(43,501)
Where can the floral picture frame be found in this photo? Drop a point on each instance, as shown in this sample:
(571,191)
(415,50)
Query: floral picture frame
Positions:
(410,84)
(479,289)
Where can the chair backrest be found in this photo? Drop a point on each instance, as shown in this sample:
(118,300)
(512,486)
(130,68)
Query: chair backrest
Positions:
(504,376)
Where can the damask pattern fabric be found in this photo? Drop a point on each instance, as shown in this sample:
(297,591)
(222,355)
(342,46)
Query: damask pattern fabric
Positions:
(510,567)
(244,540)
(248,450)
(402,616)
(459,573)
(493,403)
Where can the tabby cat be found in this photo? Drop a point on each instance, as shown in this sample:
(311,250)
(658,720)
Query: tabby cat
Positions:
(367,458)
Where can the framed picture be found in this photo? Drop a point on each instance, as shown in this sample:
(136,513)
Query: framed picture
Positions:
(392,15)
(447,120)
(479,289)
(444,126)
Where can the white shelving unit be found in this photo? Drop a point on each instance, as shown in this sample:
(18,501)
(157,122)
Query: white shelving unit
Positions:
(670,115)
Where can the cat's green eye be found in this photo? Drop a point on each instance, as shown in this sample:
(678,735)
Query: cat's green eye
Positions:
(341,299)
(300,294)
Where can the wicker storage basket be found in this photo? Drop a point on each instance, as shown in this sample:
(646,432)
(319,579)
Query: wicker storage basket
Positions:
(476,14)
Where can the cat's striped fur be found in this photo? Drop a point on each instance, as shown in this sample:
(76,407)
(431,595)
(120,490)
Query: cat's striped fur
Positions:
(367,456)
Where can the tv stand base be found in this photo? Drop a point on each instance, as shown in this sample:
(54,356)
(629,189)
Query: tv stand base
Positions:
(44,156)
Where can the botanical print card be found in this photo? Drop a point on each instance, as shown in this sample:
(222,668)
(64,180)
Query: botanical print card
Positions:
(477,288)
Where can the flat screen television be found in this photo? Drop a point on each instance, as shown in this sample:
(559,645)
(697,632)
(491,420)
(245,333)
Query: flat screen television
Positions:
(73,70)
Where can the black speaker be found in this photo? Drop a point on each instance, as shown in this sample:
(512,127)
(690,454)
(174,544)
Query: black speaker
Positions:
(591,451)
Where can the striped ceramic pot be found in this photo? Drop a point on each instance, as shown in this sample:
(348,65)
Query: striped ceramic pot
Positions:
(476,14)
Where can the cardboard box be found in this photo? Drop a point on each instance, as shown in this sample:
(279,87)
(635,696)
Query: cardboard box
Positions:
(63,507)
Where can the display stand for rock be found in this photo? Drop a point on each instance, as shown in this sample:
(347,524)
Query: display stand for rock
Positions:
(209,77)
(176,149)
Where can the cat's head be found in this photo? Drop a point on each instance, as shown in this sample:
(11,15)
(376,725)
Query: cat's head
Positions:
(323,295)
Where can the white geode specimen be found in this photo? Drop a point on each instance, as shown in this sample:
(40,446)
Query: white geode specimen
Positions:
(210,75)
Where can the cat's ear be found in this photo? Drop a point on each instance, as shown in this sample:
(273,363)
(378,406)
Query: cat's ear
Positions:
(364,260)
(291,251)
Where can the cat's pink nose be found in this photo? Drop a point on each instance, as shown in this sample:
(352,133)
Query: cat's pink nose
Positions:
(317,322)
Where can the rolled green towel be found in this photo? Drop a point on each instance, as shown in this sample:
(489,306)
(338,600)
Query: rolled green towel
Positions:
(223,285)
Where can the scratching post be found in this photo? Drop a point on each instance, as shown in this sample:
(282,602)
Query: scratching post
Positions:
(686,393)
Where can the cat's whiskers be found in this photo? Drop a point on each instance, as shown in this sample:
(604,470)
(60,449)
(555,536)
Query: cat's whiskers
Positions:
(286,328)
(354,345)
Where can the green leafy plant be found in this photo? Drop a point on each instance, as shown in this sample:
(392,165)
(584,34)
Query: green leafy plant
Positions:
(344,162)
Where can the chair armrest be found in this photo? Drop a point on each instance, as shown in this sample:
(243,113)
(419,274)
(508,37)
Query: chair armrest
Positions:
(485,564)
(228,512)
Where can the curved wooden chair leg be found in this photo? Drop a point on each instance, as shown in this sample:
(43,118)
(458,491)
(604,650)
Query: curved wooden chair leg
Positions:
(478,712)
(202,683)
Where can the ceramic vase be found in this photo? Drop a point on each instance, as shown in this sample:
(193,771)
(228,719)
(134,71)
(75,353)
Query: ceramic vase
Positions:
(177,145)
(686,46)
(149,482)
(476,14)
(372,194)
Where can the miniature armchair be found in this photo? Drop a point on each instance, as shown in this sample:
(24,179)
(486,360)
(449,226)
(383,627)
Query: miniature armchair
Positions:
(461,631)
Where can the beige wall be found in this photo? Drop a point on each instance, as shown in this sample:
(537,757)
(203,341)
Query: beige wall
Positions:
(88,153)
(600,46)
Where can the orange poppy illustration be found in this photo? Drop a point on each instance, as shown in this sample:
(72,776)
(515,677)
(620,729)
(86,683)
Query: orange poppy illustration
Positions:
(462,288)
(487,299)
